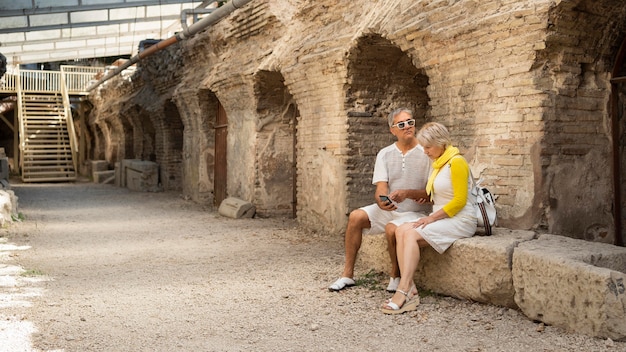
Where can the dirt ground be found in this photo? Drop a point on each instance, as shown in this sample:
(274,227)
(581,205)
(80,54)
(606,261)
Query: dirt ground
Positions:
(106,269)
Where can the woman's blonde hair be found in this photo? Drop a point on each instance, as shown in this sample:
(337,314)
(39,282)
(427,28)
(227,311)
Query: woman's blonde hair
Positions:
(434,134)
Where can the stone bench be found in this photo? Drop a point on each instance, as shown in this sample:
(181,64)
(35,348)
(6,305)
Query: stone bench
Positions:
(573,284)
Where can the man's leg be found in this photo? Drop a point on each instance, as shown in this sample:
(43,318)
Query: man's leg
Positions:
(390,234)
(357,221)
(394,274)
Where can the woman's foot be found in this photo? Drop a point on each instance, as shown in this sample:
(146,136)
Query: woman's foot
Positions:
(402,301)
(412,293)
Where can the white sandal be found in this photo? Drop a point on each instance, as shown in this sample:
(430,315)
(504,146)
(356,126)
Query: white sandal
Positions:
(341,283)
(409,304)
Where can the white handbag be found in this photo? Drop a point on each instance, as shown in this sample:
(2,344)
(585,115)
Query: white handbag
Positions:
(486,206)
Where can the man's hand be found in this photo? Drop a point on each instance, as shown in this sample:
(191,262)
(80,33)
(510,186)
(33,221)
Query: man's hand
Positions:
(386,205)
(418,195)
(398,196)
(423,201)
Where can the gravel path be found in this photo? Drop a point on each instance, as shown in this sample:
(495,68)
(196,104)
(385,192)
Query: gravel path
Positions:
(106,269)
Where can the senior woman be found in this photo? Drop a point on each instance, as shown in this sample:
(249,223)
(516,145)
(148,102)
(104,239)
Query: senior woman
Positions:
(453,216)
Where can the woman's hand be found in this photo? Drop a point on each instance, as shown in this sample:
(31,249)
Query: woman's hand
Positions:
(422,222)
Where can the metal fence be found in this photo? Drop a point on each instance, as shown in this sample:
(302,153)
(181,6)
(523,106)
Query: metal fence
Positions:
(77,79)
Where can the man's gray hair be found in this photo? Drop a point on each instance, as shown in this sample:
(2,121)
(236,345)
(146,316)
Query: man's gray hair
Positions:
(396,112)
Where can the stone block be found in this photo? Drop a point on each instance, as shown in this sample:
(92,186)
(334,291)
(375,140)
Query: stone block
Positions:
(123,168)
(236,208)
(118,174)
(97,166)
(103,176)
(4,168)
(8,206)
(142,175)
(573,284)
(476,268)
(373,254)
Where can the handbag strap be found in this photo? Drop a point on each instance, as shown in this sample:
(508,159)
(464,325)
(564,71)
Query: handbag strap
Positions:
(481,206)
(479,199)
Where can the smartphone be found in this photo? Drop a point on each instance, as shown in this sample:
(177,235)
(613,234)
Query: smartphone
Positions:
(385,199)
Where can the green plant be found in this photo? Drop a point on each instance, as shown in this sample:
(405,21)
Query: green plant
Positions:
(426,293)
(372,280)
(17,217)
(32,273)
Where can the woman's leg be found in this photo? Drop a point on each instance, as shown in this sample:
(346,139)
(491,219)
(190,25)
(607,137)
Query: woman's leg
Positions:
(408,242)
(410,247)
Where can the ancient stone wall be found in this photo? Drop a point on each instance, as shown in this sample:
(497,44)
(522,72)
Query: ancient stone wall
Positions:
(306,87)
(574,68)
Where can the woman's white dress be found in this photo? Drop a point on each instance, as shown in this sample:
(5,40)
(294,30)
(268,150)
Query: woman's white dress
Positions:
(442,233)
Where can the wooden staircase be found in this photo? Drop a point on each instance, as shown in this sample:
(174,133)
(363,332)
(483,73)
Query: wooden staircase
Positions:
(46,149)
(48,143)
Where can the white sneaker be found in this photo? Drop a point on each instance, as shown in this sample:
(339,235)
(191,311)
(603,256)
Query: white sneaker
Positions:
(393,284)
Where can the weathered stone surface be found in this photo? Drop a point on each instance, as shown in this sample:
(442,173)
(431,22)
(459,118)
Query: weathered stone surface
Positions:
(98,166)
(107,176)
(477,268)
(373,254)
(121,171)
(142,176)
(236,208)
(570,283)
(4,168)
(574,284)
(8,206)
(305,87)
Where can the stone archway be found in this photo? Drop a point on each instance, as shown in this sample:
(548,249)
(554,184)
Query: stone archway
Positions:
(171,161)
(578,156)
(381,78)
(200,147)
(275,192)
(145,144)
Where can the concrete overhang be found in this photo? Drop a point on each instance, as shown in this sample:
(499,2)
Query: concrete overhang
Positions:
(39,31)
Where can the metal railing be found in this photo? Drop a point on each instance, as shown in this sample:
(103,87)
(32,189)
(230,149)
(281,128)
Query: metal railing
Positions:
(8,83)
(71,80)
(39,81)
(76,78)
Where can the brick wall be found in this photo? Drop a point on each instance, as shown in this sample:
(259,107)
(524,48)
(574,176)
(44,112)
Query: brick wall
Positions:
(381,78)
(522,85)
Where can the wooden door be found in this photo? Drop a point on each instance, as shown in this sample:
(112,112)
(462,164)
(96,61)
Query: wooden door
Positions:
(220,174)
